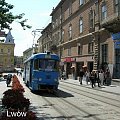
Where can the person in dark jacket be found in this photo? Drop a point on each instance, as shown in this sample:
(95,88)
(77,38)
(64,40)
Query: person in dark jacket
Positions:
(92,78)
(9,77)
(81,76)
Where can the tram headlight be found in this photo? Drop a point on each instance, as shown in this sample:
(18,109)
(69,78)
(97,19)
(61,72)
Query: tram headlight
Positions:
(40,79)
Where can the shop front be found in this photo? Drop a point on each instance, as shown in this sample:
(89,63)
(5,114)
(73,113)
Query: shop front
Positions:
(116,70)
(69,62)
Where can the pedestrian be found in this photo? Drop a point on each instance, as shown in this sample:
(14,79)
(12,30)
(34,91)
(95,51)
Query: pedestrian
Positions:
(64,75)
(92,78)
(81,76)
(87,74)
(101,77)
(73,72)
(108,77)
(8,81)
(97,80)
(17,72)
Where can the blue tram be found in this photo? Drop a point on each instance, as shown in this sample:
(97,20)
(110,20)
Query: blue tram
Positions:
(41,71)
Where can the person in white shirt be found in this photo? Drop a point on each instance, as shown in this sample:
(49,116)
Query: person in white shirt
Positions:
(101,77)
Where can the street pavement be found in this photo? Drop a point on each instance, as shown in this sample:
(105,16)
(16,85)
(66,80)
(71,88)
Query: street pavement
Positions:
(111,88)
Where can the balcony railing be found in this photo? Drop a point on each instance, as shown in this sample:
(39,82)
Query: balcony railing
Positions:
(110,19)
(111,23)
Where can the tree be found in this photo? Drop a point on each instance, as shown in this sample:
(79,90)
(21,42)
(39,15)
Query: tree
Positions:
(7,17)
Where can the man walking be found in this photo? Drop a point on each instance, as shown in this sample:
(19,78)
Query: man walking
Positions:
(81,76)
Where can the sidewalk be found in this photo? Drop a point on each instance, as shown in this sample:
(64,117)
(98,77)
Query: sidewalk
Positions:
(111,89)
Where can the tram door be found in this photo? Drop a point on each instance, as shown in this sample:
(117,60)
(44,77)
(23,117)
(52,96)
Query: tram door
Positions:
(31,68)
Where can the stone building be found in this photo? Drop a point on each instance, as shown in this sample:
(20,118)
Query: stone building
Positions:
(27,53)
(86,32)
(18,62)
(7,54)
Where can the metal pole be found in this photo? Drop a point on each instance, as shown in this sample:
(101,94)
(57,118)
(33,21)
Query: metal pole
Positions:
(98,62)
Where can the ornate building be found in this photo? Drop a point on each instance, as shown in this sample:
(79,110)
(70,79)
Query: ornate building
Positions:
(7,54)
(84,32)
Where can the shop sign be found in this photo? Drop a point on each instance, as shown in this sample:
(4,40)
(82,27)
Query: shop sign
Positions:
(116,36)
(69,59)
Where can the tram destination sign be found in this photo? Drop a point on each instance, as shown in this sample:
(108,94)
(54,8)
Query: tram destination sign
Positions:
(47,56)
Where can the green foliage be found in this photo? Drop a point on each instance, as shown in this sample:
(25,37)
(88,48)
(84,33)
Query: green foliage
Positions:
(7,17)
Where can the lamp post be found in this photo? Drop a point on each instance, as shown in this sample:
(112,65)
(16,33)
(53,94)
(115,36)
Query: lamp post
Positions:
(34,33)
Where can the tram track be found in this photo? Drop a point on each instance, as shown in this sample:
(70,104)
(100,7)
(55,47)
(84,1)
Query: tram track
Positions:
(64,110)
(99,95)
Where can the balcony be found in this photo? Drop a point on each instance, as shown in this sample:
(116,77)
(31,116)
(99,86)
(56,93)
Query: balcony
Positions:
(111,23)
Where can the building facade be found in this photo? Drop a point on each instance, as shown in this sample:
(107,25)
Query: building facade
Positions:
(18,62)
(83,30)
(7,54)
(27,53)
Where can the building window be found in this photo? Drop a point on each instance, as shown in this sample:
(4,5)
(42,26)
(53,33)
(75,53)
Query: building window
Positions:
(8,51)
(105,53)
(104,11)
(81,2)
(70,9)
(1,50)
(79,49)
(81,25)
(116,4)
(96,8)
(90,47)
(56,22)
(69,51)
(91,19)
(63,33)
(70,31)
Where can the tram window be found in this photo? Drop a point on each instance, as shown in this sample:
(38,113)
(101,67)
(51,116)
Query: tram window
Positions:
(41,64)
(36,64)
(49,64)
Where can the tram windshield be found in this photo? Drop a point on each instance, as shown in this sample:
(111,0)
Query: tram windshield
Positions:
(46,64)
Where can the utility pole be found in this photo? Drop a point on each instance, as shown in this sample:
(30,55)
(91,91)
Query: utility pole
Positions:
(34,33)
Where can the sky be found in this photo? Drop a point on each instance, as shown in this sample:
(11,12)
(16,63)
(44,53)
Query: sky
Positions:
(38,14)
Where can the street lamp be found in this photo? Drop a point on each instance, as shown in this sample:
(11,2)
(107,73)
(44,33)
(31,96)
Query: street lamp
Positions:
(34,33)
